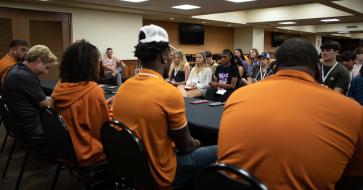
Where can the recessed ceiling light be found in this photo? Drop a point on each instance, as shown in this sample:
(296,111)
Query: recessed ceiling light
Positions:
(43,0)
(186,7)
(171,18)
(134,1)
(289,22)
(275,30)
(330,20)
(204,22)
(240,1)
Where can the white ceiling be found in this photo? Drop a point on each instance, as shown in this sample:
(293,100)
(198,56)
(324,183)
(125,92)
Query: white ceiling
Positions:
(261,13)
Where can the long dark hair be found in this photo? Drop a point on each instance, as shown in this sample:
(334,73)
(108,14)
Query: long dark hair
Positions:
(241,52)
(80,62)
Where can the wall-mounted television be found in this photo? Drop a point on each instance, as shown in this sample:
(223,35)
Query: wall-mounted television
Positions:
(191,33)
(277,39)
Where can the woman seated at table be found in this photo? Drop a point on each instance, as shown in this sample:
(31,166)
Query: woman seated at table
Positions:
(82,105)
(226,78)
(179,69)
(199,78)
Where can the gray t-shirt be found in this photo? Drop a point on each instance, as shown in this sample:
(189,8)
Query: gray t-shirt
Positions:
(338,77)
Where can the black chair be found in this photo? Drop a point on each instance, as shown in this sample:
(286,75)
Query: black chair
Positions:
(217,176)
(60,142)
(5,116)
(126,155)
(6,129)
(11,131)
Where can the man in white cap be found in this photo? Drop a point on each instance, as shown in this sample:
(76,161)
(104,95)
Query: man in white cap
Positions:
(155,110)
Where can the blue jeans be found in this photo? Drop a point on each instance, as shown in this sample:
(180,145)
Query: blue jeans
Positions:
(189,165)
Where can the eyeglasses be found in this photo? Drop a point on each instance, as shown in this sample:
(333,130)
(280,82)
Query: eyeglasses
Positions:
(263,58)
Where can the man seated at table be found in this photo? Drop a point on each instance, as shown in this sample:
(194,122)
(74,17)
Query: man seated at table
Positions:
(155,110)
(24,95)
(17,52)
(299,134)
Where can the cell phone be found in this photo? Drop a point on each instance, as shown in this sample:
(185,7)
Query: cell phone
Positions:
(216,104)
(199,102)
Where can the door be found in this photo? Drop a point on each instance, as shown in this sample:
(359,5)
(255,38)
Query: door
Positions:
(37,27)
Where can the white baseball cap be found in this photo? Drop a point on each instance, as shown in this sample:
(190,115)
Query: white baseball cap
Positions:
(153,33)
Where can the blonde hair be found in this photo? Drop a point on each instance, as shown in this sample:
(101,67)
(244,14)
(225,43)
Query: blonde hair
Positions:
(197,68)
(183,60)
(42,52)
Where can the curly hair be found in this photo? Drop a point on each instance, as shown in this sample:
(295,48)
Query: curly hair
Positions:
(148,52)
(80,62)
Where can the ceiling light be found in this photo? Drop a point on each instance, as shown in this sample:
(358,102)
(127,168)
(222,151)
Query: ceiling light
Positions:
(171,18)
(134,1)
(343,32)
(43,0)
(289,22)
(204,22)
(240,1)
(229,25)
(186,7)
(330,20)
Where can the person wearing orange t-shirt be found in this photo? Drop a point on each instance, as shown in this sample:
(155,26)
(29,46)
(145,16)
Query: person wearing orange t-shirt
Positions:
(82,104)
(314,138)
(17,52)
(154,110)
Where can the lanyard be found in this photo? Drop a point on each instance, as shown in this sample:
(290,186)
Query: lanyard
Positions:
(323,76)
(147,74)
(264,74)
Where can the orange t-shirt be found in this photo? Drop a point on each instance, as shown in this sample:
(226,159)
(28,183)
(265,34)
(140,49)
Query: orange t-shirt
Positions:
(150,106)
(292,133)
(84,110)
(5,65)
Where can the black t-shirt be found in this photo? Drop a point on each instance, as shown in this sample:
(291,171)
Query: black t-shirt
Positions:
(225,74)
(338,77)
(22,93)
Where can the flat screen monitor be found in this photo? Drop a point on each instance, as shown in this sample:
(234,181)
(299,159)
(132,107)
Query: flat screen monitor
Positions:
(191,33)
(277,39)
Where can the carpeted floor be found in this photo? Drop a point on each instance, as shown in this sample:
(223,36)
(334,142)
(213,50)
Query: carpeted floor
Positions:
(39,171)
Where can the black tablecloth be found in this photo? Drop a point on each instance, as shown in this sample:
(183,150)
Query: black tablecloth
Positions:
(48,86)
(203,120)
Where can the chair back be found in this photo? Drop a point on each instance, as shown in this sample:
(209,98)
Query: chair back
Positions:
(126,155)
(224,176)
(58,137)
(6,118)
